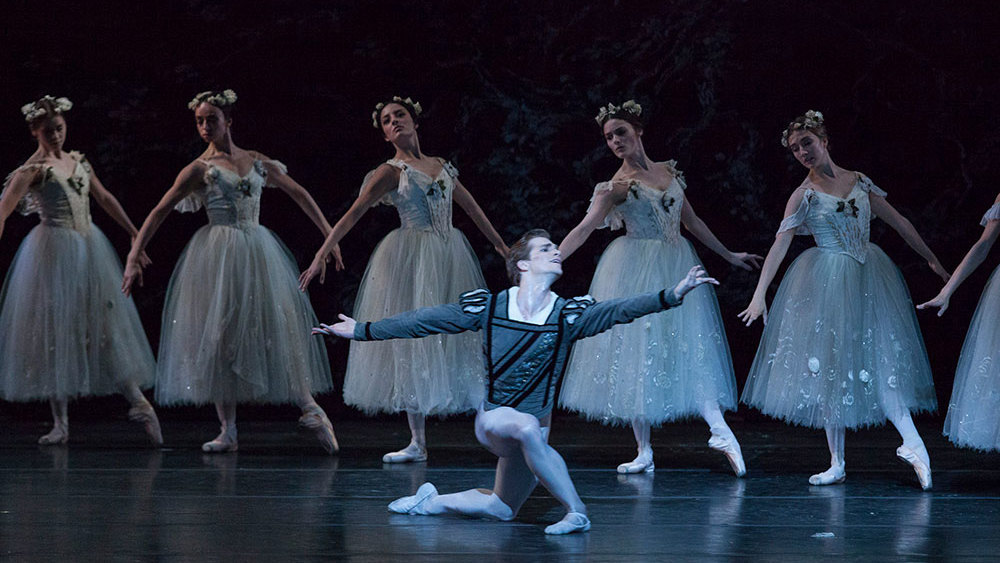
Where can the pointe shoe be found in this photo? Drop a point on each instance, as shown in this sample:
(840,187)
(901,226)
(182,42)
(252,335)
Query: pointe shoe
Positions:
(641,464)
(410,454)
(313,418)
(920,461)
(571,523)
(411,504)
(145,414)
(833,476)
(731,448)
(58,436)
(224,442)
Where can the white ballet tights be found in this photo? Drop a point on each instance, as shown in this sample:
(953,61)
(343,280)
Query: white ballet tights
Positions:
(525,459)
(226,440)
(417,448)
(60,423)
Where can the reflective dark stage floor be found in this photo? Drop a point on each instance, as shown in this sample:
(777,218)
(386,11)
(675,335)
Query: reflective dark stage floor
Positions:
(107,497)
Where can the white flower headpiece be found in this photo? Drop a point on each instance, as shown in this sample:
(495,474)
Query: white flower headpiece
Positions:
(34,110)
(811,120)
(610,110)
(218,99)
(417,110)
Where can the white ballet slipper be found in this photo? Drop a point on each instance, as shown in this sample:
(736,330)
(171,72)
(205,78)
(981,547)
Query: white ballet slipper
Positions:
(731,448)
(145,414)
(58,436)
(411,504)
(920,461)
(224,442)
(572,523)
(643,463)
(833,476)
(410,454)
(315,419)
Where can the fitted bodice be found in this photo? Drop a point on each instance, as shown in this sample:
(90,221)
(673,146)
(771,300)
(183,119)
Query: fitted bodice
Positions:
(423,203)
(60,201)
(230,199)
(647,212)
(840,225)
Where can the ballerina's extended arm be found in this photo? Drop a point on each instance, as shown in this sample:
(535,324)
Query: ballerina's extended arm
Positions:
(465,200)
(902,225)
(700,230)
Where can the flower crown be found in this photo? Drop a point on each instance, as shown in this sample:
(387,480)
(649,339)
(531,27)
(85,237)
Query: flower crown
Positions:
(811,120)
(218,99)
(408,102)
(610,110)
(34,110)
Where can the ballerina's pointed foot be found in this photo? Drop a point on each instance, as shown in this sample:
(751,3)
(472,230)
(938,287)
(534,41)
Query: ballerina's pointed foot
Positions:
(315,419)
(224,442)
(572,523)
(145,414)
(833,476)
(920,461)
(731,448)
(411,504)
(410,454)
(643,463)
(58,436)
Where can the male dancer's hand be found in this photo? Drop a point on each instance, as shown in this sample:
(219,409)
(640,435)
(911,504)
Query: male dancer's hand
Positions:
(694,278)
(343,329)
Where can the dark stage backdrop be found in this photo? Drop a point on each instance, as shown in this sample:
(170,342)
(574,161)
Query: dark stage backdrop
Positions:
(510,89)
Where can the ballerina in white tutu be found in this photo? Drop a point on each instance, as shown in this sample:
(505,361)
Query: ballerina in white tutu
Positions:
(973,419)
(842,348)
(235,326)
(423,263)
(667,366)
(65,330)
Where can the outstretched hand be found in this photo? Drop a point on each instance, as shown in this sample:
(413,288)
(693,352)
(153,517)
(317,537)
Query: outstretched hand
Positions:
(338,260)
(938,269)
(753,310)
(940,301)
(746,260)
(695,277)
(133,273)
(343,329)
(317,268)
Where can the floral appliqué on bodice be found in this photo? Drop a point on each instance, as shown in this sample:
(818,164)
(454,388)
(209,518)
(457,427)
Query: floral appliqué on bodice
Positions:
(60,201)
(837,224)
(648,212)
(423,203)
(228,198)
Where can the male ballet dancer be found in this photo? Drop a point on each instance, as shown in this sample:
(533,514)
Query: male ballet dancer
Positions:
(529,333)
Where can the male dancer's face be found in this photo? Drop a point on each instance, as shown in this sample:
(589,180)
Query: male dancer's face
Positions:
(543,258)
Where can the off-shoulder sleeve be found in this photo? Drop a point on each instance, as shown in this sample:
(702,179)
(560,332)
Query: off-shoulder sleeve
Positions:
(869,186)
(196,199)
(450,168)
(992,214)
(614,219)
(275,165)
(387,198)
(797,220)
(29,202)
(677,174)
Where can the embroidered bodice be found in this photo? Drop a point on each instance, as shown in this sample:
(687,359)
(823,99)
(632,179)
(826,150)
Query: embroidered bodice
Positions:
(228,198)
(648,212)
(837,224)
(423,203)
(60,201)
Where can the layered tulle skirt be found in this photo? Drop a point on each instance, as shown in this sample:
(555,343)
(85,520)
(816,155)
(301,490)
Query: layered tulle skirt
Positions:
(841,347)
(663,366)
(973,419)
(235,326)
(439,374)
(66,329)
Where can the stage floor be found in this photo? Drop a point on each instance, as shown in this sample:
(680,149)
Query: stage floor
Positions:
(107,497)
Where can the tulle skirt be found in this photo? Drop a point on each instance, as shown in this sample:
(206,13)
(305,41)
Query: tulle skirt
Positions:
(973,419)
(841,347)
(438,374)
(663,366)
(235,327)
(66,329)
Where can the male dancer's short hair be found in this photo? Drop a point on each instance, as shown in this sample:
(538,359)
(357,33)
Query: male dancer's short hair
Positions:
(521,251)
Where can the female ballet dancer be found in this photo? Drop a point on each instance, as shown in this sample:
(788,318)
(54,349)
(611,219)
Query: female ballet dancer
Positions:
(235,326)
(668,366)
(842,348)
(973,419)
(65,330)
(425,262)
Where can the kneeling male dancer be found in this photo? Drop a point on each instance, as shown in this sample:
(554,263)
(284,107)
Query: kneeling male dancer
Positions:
(529,333)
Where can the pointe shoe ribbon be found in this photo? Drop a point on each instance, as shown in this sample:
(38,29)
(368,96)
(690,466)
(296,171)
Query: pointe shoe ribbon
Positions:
(731,448)
(920,461)
(57,436)
(315,419)
(637,465)
(573,522)
(224,442)
(833,476)
(145,414)
(410,454)
(410,504)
